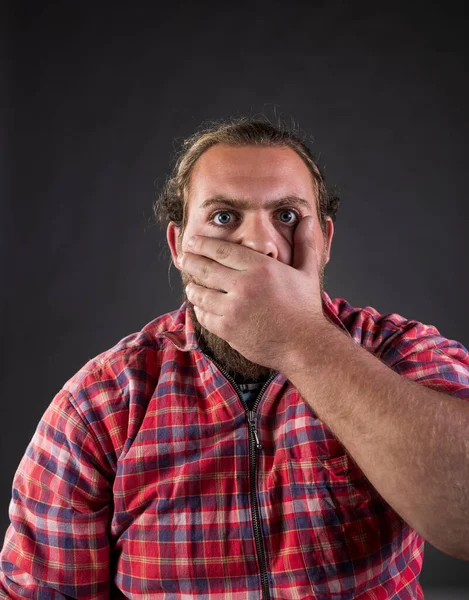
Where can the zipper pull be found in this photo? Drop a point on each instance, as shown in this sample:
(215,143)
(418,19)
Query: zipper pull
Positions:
(252,423)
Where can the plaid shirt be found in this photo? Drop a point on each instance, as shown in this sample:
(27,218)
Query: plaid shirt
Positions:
(144,479)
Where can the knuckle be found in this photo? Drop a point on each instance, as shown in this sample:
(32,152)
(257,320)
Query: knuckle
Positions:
(222,250)
(266,269)
(242,295)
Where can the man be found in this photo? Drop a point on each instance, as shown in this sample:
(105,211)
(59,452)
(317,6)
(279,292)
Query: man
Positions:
(263,441)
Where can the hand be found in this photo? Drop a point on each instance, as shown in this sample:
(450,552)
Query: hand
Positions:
(265,309)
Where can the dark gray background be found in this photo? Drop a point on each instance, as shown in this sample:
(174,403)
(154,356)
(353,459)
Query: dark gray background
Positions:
(97,97)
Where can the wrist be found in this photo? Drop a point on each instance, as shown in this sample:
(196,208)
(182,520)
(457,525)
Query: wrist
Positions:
(310,348)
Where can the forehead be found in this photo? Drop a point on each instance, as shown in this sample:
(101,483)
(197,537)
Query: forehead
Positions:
(250,171)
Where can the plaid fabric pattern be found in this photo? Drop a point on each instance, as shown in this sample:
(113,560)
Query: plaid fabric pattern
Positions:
(136,482)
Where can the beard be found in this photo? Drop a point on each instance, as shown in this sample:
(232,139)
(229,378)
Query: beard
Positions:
(230,359)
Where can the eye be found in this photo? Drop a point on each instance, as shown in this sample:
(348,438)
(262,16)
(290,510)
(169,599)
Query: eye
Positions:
(286,211)
(223,216)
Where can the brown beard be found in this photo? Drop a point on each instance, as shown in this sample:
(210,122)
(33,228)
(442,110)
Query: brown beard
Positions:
(230,359)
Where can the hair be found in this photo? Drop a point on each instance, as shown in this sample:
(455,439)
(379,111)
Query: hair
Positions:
(171,202)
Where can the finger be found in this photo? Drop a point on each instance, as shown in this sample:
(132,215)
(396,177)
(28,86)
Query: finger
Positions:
(210,301)
(208,272)
(208,320)
(304,247)
(234,256)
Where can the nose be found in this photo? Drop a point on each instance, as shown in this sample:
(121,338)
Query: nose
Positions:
(258,233)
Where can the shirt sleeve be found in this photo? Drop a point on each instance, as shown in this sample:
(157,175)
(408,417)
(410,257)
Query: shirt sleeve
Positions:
(421,353)
(57,545)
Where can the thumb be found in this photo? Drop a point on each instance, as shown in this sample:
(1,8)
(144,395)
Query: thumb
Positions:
(304,246)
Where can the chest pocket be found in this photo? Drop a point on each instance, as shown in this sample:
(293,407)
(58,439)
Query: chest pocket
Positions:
(346,529)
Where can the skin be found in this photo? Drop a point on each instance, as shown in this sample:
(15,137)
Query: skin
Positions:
(259,175)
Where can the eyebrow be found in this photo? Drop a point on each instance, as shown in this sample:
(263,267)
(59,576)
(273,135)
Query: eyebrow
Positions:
(244,204)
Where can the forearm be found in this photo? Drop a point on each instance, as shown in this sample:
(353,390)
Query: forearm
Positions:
(410,441)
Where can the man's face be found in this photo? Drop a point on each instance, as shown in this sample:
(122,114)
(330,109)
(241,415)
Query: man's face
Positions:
(267,181)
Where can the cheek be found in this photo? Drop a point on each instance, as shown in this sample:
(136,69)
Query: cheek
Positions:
(199,227)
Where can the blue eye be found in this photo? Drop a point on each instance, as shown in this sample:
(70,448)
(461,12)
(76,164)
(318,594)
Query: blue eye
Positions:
(287,211)
(222,213)
(222,218)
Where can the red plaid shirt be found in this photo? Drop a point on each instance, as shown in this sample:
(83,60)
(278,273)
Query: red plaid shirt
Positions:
(144,479)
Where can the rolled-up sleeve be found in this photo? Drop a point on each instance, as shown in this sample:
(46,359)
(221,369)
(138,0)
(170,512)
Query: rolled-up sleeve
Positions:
(57,544)
(422,354)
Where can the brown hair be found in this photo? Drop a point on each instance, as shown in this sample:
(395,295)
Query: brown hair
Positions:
(170,203)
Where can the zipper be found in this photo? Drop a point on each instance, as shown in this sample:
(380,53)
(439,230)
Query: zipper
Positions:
(254,447)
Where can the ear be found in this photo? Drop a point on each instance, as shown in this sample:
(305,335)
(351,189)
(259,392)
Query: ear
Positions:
(329,236)
(172,234)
